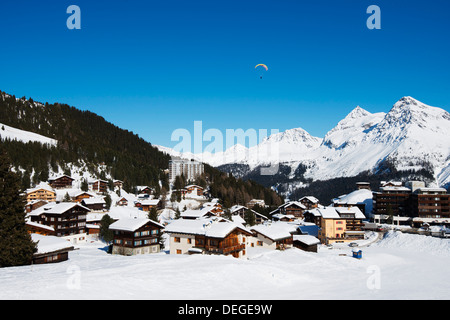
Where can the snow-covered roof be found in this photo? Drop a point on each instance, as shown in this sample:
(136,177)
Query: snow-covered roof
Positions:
(214,228)
(335,212)
(196,213)
(48,244)
(152,202)
(310,198)
(62,207)
(88,201)
(131,224)
(41,186)
(356,197)
(306,239)
(274,231)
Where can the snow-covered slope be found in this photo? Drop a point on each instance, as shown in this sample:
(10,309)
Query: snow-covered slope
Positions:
(412,135)
(7,132)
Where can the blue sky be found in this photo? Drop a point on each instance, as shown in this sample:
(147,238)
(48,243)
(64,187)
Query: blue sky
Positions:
(154,66)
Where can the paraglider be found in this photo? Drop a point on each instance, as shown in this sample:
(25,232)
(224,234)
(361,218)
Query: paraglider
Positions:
(262,68)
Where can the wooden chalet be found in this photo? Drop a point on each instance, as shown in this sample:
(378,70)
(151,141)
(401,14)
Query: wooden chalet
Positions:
(68,219)
(241,210)
(122,202)
(135,236)
(79,196)
(94,204)
(61,182)
(40,193)
(38,228)
(309,202)
(194,190)
(208,236)
(35,204)
(50,249)
(291,208)
(99,186)
(277,235)
(144,190)
(306,242)
(147,205)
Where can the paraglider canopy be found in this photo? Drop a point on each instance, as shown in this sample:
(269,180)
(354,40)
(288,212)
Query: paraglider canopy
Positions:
(261,68)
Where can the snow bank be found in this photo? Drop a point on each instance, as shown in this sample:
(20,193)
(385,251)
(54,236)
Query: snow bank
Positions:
(416,243)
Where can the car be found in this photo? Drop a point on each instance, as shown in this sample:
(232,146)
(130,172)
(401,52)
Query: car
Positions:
(353,244)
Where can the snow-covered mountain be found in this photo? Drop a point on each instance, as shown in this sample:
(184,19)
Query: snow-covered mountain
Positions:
(411,136)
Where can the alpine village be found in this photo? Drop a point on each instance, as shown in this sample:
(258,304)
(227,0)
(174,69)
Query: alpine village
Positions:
(68,177)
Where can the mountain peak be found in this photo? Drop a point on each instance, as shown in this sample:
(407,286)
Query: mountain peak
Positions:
(358,112)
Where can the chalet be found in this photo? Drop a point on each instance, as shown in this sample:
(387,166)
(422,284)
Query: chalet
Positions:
(61,182)
(291,208)
(118,184)
(41,192)
(50,249)
(94,204)
(135,236)
(306,242)
(38,228)
(214,207)
(68,219)
(309,202)
(147,205)
(198,214)
(122,202)
(241,211)
(99,186)
(254,202)
(283,217)
(34,204)
(144,190)
(208,236)
(78,195)
(194,190)
(337,224)
(277,235)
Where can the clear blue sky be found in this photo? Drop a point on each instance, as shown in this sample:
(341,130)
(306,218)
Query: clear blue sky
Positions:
(154,66)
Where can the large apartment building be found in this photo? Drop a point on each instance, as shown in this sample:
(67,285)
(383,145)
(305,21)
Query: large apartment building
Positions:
(190,169)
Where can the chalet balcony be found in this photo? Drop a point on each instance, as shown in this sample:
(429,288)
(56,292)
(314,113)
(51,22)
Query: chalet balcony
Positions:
(226,250)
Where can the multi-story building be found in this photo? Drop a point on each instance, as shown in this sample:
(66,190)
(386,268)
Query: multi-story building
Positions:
(392,200)
(208,236)
(190,169)
(337,224)
(136,236)
(41,192)
(430,203)
(68,219)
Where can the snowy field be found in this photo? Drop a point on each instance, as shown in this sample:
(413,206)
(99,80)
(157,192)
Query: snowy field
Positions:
(401,266)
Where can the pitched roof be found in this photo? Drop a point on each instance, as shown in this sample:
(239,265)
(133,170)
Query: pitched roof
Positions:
(62,207)
(131,224)
(213,227)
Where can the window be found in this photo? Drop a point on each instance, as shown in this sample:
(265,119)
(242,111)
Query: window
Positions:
(177,239)
(189,240)
(259,243)
(178,251)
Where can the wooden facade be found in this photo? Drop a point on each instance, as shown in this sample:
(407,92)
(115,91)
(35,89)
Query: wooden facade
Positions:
(430,203)
(392,201)
(61,182)
(65,218)
(41,194)
(100,186)
(136,240)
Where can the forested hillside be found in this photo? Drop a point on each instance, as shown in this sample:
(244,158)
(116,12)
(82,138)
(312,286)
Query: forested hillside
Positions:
(86,139)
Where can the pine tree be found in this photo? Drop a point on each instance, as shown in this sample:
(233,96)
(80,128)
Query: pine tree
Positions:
(16,245)
(105,232)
